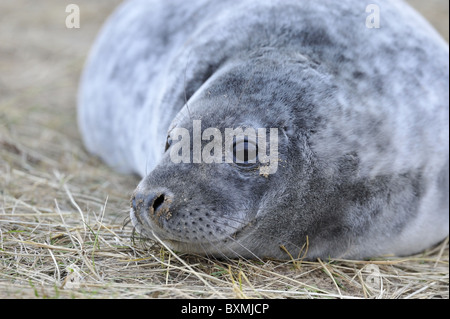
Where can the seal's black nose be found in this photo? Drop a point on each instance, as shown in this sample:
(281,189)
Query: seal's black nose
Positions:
(151,205)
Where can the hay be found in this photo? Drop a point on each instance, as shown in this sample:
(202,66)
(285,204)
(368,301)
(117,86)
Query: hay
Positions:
(63,213)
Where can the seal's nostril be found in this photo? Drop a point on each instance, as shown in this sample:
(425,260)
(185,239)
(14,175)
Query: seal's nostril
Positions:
(151,209)
(158,201)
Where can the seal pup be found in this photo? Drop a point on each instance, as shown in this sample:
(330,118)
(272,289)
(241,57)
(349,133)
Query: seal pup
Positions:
(361,113)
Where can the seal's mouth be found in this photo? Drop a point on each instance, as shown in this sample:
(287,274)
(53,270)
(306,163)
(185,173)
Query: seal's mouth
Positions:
(212,246)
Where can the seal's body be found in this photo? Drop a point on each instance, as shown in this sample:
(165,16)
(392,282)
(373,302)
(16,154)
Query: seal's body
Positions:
(362,119)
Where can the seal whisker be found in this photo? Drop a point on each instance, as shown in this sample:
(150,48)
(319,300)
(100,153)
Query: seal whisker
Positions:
(184,85)
(224,221)
(255,256)
(126,221)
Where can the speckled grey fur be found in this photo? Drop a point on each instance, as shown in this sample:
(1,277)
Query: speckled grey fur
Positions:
(363,118)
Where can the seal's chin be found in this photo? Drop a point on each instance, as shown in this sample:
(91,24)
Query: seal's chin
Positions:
(217,247)
(185,247)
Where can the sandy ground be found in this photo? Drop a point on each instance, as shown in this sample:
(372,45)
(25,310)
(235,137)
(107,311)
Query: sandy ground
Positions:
(47,181)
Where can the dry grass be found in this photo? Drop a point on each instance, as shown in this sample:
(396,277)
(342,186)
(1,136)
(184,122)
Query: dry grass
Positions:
(62,212)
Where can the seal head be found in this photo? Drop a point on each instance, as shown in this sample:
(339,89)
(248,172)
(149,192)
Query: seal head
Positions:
(360,115)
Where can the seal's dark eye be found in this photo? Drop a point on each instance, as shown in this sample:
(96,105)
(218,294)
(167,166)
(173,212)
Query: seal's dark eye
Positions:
(168,143)
(245,152)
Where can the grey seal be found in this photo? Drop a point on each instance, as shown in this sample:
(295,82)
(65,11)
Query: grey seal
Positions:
(362,115)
